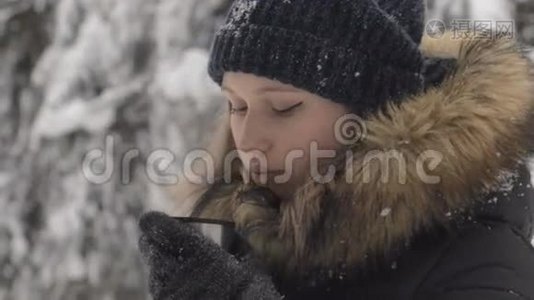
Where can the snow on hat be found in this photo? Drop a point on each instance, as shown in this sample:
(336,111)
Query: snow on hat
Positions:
(361,53)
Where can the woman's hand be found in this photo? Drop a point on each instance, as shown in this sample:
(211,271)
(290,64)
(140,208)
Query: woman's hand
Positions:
(184,264)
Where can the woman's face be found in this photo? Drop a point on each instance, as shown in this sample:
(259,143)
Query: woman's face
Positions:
(280,124)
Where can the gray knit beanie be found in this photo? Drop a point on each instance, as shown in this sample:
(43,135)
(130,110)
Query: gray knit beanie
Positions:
(361,53)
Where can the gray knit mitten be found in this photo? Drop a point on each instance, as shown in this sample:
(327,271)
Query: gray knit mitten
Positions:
(184,264)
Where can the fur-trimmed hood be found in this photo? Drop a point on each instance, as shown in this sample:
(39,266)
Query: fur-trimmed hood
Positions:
(479,124)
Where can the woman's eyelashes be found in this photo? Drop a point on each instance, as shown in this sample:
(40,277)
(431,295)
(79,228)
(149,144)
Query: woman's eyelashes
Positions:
(233,109)
(291,108)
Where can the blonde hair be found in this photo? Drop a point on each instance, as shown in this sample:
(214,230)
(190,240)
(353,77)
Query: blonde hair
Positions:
(186,195)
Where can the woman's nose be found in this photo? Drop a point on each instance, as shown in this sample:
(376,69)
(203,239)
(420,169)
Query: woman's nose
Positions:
(255,135)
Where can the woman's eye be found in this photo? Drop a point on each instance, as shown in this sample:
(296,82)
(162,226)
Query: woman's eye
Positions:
(235,110)
(288,109)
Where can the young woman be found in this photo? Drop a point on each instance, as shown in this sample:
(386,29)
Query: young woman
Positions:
(429,198)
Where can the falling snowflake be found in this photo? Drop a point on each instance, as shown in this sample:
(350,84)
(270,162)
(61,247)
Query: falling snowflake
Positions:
(493,200)
(385,212)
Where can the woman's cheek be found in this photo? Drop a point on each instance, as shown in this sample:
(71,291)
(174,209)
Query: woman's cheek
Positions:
(298,167)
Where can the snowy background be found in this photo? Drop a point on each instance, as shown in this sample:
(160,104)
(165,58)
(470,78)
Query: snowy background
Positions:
(127,77)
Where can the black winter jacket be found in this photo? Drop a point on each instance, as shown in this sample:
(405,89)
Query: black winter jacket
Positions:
(488,255)
(465,236)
